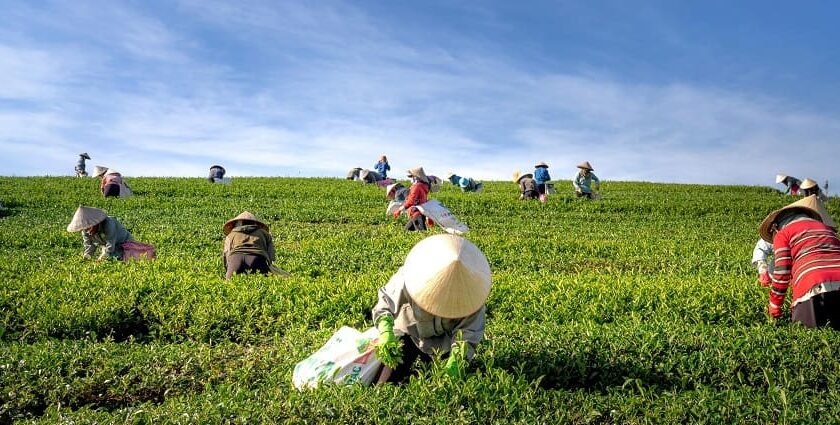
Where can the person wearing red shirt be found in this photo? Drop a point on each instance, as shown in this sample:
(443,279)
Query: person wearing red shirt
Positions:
(806,254)
(418,194)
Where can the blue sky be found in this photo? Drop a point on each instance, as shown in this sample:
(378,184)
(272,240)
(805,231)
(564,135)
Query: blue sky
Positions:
(667,91)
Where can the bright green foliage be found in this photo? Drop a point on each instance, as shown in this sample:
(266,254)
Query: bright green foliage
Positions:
(639,308)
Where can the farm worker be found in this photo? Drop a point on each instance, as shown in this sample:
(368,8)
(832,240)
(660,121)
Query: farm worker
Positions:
(248,245)
(807,257)
(369,176)
(810,187)
(467,184)
(434,304)
(527,185)
(418,194)
(99,229)
(541,178)
(80,165)
(217,173)
(791,183)
(353,174)
(762,251)
(112,184)
(396,192)
(382,167)
(584,181)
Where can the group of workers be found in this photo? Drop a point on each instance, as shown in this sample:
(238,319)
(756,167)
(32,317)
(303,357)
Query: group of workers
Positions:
(536,185)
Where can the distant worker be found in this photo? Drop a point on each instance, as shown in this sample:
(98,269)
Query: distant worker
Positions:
(810,187)
(433,306)
(418,194)
(353,174)
(99,230)
(467,184)
(527,185)
(541,178)
(369,176)
(791,183)
(248,246)
(807,257)
(217,173)
(112,184)
(762,251)
(80,165)
(396,192)
(382,167)
(586,183)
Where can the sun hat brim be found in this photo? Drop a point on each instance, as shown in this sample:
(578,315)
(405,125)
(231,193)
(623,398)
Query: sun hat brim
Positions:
(244,216)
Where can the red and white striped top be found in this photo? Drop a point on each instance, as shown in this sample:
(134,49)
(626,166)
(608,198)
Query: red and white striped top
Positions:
(807,253)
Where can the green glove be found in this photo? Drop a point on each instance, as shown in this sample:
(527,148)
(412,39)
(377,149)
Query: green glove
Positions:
(388,348)
(457,360)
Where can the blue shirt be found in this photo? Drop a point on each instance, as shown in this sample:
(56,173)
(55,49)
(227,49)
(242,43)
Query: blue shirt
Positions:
(541,175)
(584,184)
(382,168)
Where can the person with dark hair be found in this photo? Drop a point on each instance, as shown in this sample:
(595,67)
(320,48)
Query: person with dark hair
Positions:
(112,184)
(806,254)
(217,173)
(248,246)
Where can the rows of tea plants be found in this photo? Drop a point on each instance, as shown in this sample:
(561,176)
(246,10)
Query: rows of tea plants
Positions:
(640,308)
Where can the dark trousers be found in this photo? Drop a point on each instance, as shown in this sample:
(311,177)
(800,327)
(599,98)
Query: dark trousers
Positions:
(530,194)
(541,188)
(821,310)
(410,354)
(416,223)
(245,263)
(587,195)
(111,190)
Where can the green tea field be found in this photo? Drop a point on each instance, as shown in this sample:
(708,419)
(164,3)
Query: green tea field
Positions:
(642,307)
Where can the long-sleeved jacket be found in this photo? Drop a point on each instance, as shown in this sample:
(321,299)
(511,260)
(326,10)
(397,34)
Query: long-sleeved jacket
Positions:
(113,178)
(584,183)
(791,185)
(761,252)
(541,175)
(527,185)
(807,255)
(418,194)
(110,235)
(249,239)
(429,333)
(216,173)
(382,168)
(400,194)
(80,165)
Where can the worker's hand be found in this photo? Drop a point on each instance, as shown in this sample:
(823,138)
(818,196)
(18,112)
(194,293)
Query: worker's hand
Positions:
(764,278)
(388,349)
(397,214)
(774,311)
(456,363)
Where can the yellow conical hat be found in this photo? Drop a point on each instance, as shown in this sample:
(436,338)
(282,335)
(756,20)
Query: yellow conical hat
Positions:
(447,276)
(85,217)
(810,205)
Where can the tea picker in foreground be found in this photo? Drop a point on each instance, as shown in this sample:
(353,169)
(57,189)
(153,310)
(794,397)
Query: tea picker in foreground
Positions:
(99,230)
(467,184)
(433,305)
(791,183)
(80,165)
(418,194)
(527,185)
(586,183)
(248,246)
(807,257)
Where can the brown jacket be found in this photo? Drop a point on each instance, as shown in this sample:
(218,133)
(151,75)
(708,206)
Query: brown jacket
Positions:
(249,239)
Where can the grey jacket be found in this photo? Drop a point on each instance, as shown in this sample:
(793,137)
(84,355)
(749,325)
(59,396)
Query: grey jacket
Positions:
(430,333)
(110,235)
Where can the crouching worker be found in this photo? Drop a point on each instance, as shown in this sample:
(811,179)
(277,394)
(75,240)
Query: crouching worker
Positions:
(586,183)
(418,194)
(248,246)
(467,184)
(762,251)
(99,230)
(527,185)
(807,257)
(217,173)
(433,305)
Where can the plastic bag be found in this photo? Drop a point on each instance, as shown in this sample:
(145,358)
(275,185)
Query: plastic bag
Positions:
(133,250)
(393,206)
(443,217)
(347,358)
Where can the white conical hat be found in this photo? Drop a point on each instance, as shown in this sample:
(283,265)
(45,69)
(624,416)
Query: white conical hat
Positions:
(419,173)
(585,165)
(99,171)
(780,178)
(85,217)
(447,276)
(111,171)
(810,205)
(391,188)
(807,184)
(519,176)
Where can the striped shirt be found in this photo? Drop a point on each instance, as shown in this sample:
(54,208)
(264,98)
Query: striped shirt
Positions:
(807,254)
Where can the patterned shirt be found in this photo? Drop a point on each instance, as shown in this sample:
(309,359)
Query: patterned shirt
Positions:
(807,254)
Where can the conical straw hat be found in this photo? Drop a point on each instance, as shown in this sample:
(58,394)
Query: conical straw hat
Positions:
(585,165)
(363,174)
(517,176)
(541,164)
(807,184)
(99,171)
(447,276)
(809,205)
(780,178)
(245,216)
(419,173)
(391,188)
(111,171)
(84,155)
(85,217)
